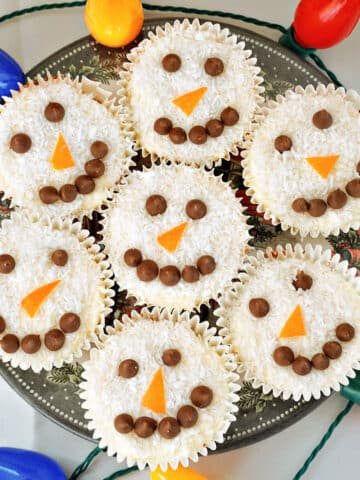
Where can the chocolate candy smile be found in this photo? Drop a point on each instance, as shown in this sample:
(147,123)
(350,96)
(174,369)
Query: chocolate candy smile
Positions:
(197,134)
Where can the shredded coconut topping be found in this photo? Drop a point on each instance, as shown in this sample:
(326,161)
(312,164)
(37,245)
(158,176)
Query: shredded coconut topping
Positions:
(276,179)
(151,89)
(85,121)
(221,233)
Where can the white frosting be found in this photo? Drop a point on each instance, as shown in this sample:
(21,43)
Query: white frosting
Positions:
(86,120)
(276,180)
(151,90)
(221,233)
(84,288)
(334,298)
(144,340)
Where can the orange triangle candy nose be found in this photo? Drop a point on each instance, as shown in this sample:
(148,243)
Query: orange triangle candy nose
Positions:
(32,302)
(181,473)
(61,157)
(323,165)
(170,240)
(294,326)
(189,101)
(154,397)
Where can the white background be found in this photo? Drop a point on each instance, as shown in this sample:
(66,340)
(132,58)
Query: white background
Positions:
(33,38)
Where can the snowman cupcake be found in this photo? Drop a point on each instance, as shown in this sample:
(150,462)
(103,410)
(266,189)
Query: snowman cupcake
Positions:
(175,236)
(63,144)
(303,165)
(191,91)
(294,322)
(160,390)
(55,292)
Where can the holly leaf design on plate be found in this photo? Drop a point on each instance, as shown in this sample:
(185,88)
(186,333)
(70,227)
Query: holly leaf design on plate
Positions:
(274,87)
(253,399)
(67,375)
(94,69)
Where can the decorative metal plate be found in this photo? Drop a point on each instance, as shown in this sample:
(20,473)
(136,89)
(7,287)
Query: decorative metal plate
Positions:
(55,393)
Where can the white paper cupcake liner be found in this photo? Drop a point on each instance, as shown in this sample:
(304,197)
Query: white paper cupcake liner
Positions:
(262,370)
(227,234)
(333,220)
(156,450)
(215,148)
(92,315)
(108,124)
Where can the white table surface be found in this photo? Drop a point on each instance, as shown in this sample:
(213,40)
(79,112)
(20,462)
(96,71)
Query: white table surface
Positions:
(33,38)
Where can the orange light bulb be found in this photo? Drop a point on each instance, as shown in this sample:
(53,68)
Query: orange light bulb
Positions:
(114,23)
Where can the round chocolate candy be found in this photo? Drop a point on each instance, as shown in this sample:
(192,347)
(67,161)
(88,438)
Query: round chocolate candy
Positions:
(169,275)
(198,135)
(201,396)
(95,168)
(214,128)
(31,343)
(147,270)
(259,307)
(60,257)
(190,274)
(317,207)
(128,368)
(171,357)
(163,125)
(353,188)
(177,135)
(54,339)
(48,195)
(124,423)
(282,143)
(85,184)
(302,281)
(99,149)
(132,257)
(214,66)
(10,343)
(336,199)
(7,263)
(187,416)
(206,264)
(171,62)
(68,192)
(169,428)
(301,365)
(332,350)
(196,209)
(20,143)
(2,324)
(70,322)
(322,119)
(229,116)
(320,361)
(54,112)
(283,356)
(155,205)
(300,205)
(345,332)
(145,426)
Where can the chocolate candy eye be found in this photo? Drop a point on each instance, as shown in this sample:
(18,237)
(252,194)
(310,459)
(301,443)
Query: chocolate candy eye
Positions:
(171,62)
(60,257)
(54,112)
(7,263)
(259,307)
(20,143)
(128,368)
(282,143)
(196,209)
(214,66)
(155,205)
(171,357)
(322,119)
